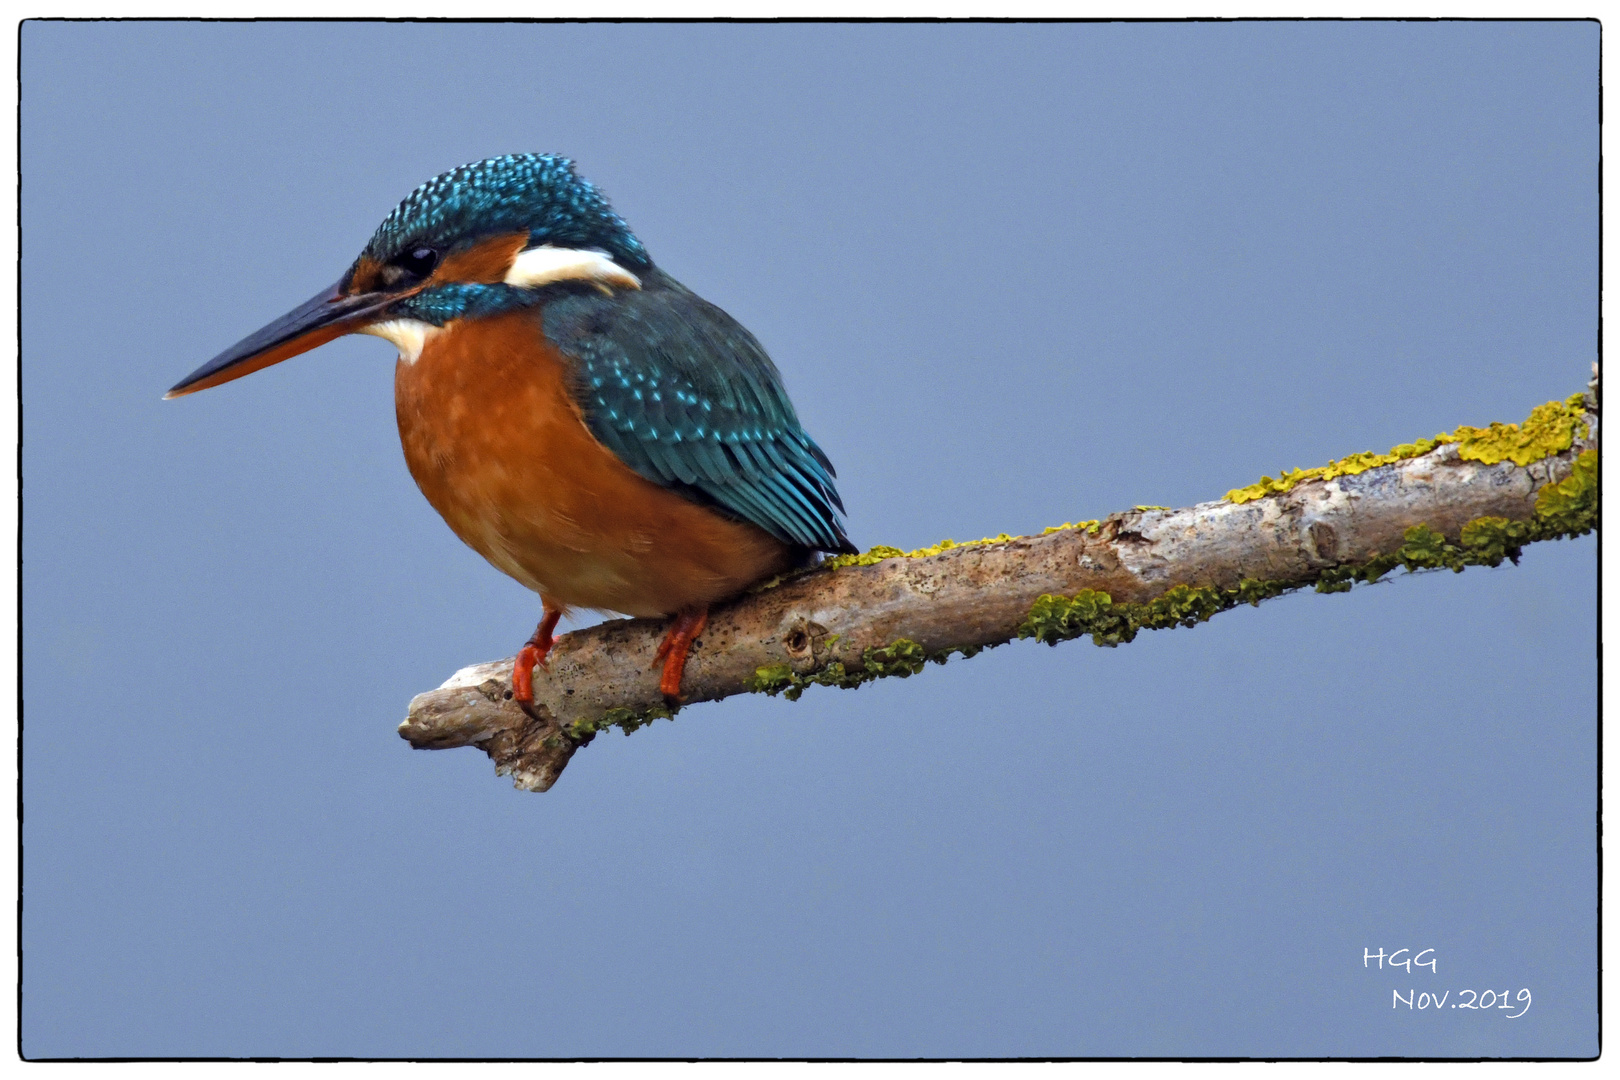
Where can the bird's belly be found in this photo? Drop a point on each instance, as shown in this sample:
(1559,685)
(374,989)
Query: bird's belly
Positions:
(494,440)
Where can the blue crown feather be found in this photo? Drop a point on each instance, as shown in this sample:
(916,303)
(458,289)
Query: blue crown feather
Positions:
(539,193)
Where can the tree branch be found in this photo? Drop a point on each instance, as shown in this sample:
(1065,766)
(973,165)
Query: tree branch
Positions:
(1473,497)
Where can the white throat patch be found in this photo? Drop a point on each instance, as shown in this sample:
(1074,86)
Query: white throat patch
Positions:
(545,264)
(409,334)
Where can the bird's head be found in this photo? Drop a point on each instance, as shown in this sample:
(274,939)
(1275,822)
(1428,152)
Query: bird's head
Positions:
(480,239)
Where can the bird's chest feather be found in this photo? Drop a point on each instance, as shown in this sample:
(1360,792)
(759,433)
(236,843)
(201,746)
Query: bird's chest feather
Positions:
(493,436)
(494,439)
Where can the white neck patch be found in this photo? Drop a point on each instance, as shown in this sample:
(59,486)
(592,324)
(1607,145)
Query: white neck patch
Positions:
(409,334)
(545,264)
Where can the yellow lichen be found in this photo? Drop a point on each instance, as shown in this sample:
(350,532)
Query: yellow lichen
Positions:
(1549,429)
(869,557)
(875,555)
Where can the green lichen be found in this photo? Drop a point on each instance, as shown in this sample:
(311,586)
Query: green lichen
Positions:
(626,719)
(1491,539)
(1549,429)
(1570,507)
(770,679)
(903,658)
(900,659)
(1056,618)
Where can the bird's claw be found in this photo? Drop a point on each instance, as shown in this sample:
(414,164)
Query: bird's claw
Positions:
(673,651)
(533,655)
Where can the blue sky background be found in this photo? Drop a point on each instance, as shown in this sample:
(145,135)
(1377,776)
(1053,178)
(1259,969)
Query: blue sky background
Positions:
(1014,275)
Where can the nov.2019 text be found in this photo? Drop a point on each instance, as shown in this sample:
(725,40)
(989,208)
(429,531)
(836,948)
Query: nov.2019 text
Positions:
(1416,1000)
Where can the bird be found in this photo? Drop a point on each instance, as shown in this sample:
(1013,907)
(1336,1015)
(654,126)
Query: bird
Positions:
(578,417)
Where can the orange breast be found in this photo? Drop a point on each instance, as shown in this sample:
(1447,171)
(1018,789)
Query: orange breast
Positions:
(498,445)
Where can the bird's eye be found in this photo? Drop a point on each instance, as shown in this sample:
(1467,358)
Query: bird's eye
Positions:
(418,261)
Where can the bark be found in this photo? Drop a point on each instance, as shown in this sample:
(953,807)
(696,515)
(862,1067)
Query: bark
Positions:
(974,596)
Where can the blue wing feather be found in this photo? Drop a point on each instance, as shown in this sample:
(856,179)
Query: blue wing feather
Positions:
(688,399)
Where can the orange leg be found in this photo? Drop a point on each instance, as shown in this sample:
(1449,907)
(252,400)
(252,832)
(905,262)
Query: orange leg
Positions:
(676,646)
(534,653)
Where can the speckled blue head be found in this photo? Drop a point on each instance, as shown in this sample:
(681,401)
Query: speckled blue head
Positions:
(539,193)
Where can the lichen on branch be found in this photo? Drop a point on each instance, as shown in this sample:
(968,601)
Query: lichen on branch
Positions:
(1550,429)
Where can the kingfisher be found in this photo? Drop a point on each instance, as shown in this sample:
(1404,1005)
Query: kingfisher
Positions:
(578,417)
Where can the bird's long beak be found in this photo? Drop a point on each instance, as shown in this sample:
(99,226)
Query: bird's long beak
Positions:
(329,314)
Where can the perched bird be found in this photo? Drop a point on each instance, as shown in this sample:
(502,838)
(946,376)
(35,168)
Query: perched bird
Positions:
(579,418)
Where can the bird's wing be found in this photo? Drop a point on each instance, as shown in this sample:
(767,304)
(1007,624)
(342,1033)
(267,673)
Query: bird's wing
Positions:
(687,398)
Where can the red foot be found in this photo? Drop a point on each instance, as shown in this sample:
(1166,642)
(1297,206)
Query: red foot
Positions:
(675,648)
(533,653)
